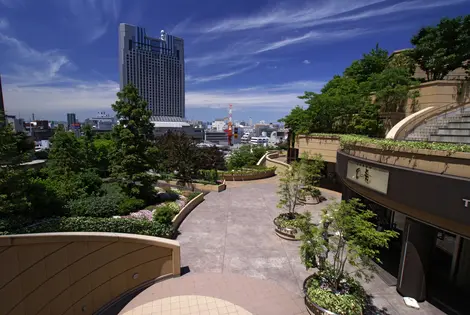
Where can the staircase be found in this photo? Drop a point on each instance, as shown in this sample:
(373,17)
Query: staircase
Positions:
(451,127)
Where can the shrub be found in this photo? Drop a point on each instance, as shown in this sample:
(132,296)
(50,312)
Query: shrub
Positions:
(193,195)
(95,206)
(87,224)
(165,214)
(129,205)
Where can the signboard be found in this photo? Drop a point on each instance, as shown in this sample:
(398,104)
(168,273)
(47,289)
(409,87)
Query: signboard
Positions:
(367,176)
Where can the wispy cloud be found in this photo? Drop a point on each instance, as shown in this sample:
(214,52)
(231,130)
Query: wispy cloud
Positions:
(306,61)
(92,17)
(220,76)
(320,13)
(4,24)
(279,97)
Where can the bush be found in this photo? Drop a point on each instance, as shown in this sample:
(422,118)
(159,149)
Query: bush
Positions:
(87,224)
(165,214)
(130,205)
(95,206)
(209,175)
(193,195)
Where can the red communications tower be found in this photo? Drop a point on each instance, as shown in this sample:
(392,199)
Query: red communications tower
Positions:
(229,130)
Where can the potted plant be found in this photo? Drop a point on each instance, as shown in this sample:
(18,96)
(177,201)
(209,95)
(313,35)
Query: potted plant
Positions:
(347,234)
(311,167)
(291,193)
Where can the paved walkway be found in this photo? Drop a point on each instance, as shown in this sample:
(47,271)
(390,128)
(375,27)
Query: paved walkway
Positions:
(229,245)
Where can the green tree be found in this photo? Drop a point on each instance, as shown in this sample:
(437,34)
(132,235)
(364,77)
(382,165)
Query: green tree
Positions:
(180,155)
(347,234)
(89,149)
(291,190)
(374,62)
(392,89)
(133,151)
(443,48)
(296,121)
(103,148)
(15,149)
(66,154)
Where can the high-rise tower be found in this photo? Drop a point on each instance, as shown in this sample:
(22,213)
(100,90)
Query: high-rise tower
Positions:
(2,105)
(156,68)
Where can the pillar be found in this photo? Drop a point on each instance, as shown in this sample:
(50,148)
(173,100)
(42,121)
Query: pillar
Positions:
(419,241)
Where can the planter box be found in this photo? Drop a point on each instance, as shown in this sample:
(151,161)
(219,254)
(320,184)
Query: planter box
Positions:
(202,187)
(178,219)
(312,307)
(290,234)
(251,176)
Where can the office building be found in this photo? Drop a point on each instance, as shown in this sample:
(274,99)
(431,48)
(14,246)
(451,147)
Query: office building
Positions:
(71,120)
(155,66)
(2,105)
(101,122)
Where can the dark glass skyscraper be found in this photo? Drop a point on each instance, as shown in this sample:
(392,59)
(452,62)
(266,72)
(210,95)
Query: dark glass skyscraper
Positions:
(155,66)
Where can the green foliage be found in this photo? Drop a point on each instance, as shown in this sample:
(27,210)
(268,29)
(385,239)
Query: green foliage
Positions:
(94,206)
(350,303)
(130,205)
(248,171)
(211,176)
(66,154)
(443,48)
(193,195)
(133,154)
(348,234)
(88,147)
(180,155)
(165,214)
(104,148)
(290,188)
(372,63)
(245,156)
(210,158)
(15,148)
(297,121)
(88,224)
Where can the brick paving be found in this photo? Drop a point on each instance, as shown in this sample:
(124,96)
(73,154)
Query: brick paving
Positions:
(229,245)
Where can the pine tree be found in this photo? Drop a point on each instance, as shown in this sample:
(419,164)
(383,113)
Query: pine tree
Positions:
(133,147)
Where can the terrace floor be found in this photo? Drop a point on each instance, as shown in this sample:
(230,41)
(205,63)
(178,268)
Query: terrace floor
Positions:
(237,264)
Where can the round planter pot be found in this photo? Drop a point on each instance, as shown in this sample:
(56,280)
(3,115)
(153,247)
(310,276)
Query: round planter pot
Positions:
(290,234)
(312,307)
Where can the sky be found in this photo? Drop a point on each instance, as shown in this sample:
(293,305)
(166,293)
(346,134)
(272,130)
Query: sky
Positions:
(60,56)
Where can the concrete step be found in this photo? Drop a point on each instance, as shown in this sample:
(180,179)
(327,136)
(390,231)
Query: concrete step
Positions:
(453,132)
(450,139)
(460,125)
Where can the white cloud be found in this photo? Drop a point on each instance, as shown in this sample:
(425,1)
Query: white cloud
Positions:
(4,24)
(320,13)
(306,61)
(91,17)
(268,97)
(219,76)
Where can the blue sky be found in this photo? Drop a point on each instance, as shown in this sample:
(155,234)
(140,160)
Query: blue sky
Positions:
(59,56)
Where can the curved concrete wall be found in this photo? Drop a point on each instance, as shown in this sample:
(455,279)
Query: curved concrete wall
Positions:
(272,162)
(78,273)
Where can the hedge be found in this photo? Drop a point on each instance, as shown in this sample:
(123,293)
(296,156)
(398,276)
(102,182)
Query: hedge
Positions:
(88,224)
(390,144)
(247,171)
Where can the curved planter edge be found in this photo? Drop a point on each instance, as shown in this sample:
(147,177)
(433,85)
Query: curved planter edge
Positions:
(312,307)
(284,233)
(190,206)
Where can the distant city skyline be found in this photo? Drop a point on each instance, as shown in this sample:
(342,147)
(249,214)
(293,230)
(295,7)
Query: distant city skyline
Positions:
(258,55)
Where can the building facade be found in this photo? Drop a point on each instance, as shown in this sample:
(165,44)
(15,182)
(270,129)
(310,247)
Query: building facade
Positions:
(2,105)
(71,120)
(155,66)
